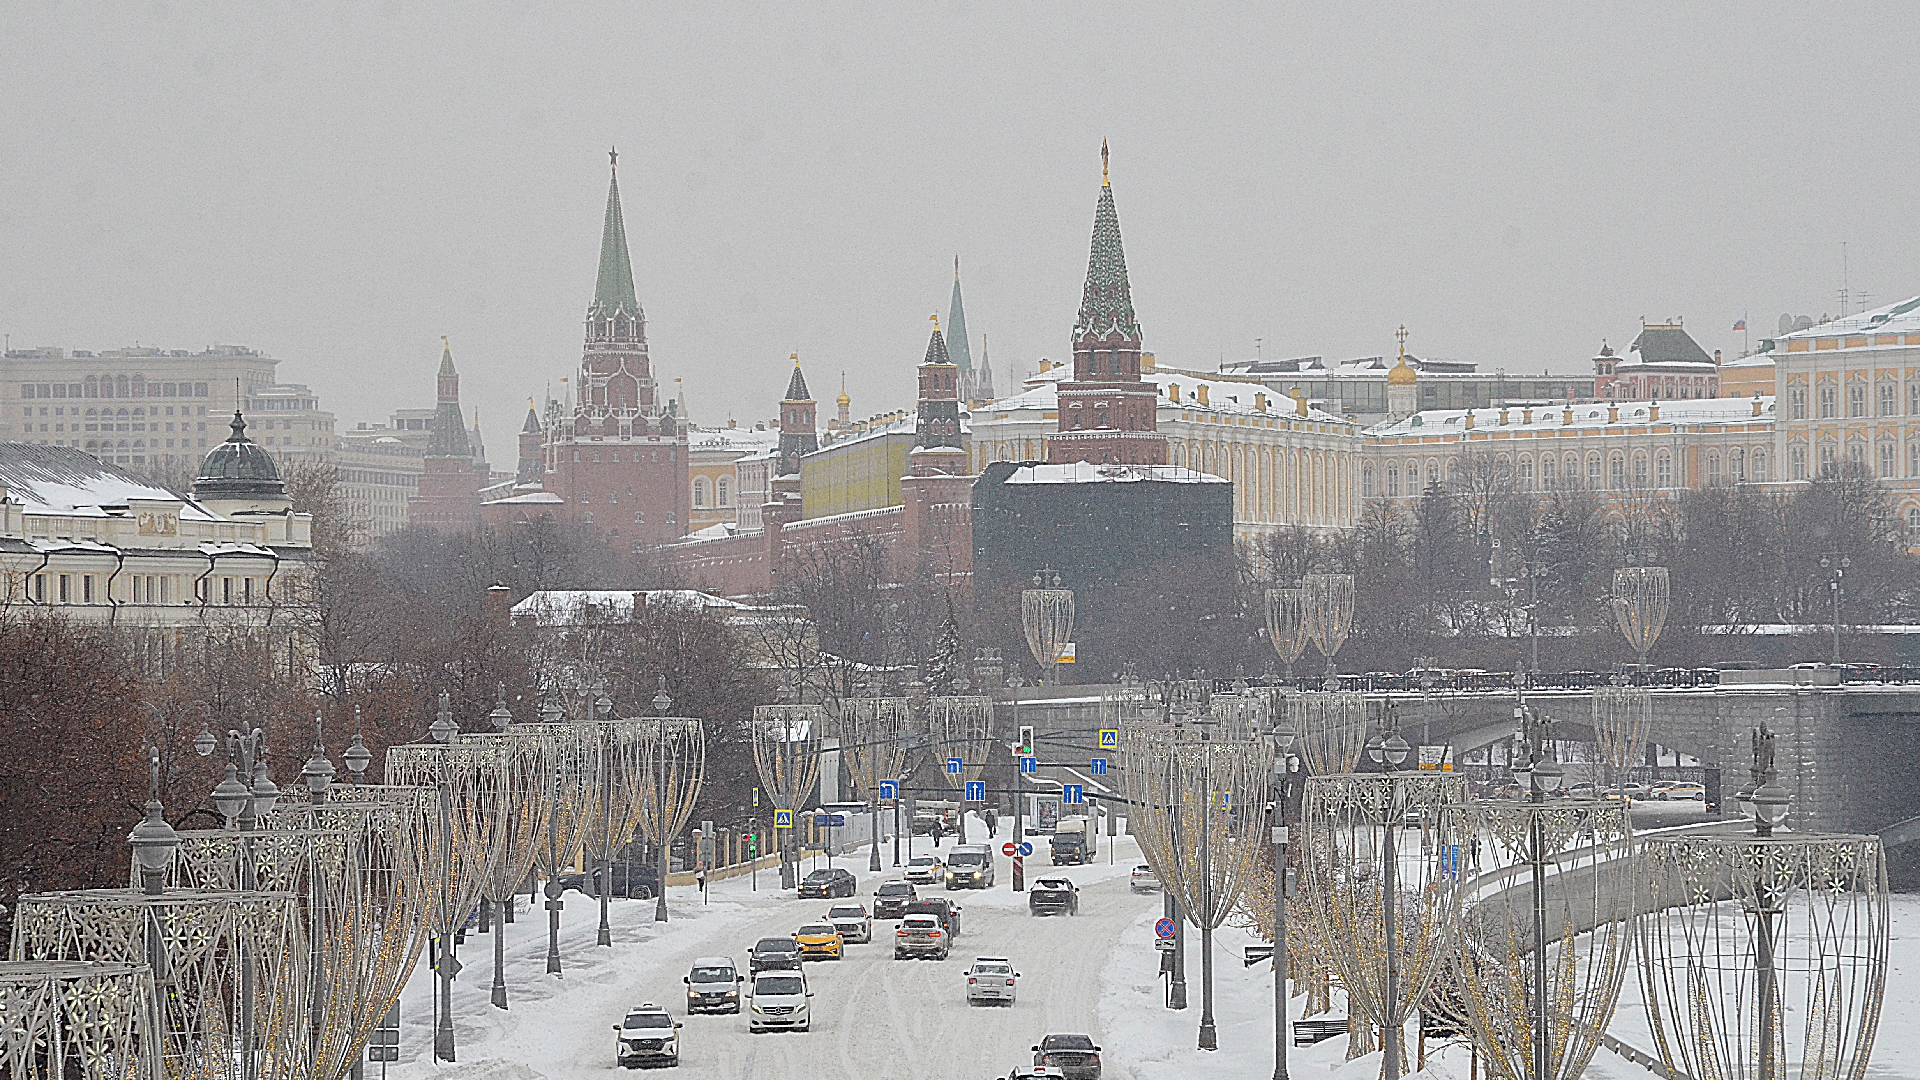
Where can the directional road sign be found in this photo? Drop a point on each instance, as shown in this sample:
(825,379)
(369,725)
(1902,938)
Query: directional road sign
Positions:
(831,821)
(1099,766)
(889,789)
(1163,928)
(1257,953)
(976,791)
(783,819)
(1008,848)
(1029,765)
(1109,738)
(954,765)
(1025,848)
(1073,794)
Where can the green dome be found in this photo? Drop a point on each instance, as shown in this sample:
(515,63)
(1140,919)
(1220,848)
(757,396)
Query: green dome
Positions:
(238,468)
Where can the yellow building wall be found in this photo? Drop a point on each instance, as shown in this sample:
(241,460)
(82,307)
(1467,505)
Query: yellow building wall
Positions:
(862,474)
(1745,381)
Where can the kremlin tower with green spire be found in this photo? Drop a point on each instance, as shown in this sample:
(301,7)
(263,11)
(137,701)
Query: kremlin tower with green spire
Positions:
(1108,414)
(619,461)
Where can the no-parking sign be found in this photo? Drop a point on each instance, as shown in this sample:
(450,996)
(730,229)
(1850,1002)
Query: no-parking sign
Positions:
(1163,929)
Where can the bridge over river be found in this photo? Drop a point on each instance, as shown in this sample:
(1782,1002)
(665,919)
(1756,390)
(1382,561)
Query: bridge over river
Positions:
(1848,753)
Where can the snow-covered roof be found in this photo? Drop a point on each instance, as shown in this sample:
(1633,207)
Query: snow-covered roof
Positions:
(738,440)
(720,530)
(1085,472)
(1684,411)
(1900,318)
(1234,396)
(566,607)
(531,498)
(67,480)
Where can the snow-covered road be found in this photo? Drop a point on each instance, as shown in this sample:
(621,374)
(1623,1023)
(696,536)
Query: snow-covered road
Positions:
(873,1016)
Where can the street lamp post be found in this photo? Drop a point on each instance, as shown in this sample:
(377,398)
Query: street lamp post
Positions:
(1836,566)
(662,703)
(1177,984)
(1285,764)
(1391,751)
(241,806)
(1536,766)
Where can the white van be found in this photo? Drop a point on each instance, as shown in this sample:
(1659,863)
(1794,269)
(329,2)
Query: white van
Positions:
(778,999)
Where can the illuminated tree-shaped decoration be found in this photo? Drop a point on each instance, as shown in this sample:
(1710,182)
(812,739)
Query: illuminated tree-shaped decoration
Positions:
(786,753)
(370,921)
(1586,920)
(1198,805)
(1640,606)
(961,726)
(1344,819)
(1244,715)
(461,830)
(90,1020)
(1287,625)
(1332,727)
(521,796)
(1622,715)
(674,761)
(1328,604)
(1046,614)
(613,767)
(233,965)
(876,737)
(1765,957)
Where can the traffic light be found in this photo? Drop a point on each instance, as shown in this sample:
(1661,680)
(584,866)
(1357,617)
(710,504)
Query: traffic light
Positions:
(1026,740)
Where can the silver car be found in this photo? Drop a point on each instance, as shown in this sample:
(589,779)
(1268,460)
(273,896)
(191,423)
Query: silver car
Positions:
(991,981)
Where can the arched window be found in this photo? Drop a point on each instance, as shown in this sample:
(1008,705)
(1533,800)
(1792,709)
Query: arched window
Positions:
(725,488)
(1616,471)
(1524,473)
(1757,463)
(1913,525)
(1593,471)
(92,387)
(1547,470)
(1737,466)
(1857,399)
(1887,459)
(1713,468)
(1663,469)
(1433,472)
(1393,480)
(1797,462)
(699,491)
(1366,481)
(1640,469)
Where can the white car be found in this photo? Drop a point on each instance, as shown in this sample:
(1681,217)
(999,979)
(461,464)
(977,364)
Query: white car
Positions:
(853,922)
(649,1036)
(779,1000)
(991,981)
(1144,879)
(926,870)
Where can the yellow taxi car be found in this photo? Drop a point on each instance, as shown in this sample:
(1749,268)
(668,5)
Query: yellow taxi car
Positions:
(819,941)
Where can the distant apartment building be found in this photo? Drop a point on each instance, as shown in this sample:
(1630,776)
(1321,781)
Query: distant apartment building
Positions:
(289,422)
(137,407)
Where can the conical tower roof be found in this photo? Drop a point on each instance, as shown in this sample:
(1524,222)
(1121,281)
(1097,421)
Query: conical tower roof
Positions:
(532,424)
(448,434)
(613,289)
(936,347)
(797,386)
(1107,303)
(957,346)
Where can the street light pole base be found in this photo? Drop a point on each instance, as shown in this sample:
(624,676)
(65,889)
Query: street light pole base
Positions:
(553,936)
(1177,995)
(1209,1035)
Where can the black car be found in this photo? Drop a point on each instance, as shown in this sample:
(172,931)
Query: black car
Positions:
(1053,896)
(827,884)
(772,953)
(947,910)
(1074,1055)
(890,900)
(635,881)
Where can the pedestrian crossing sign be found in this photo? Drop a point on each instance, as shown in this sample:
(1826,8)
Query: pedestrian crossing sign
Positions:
(1109,738)
(783,819)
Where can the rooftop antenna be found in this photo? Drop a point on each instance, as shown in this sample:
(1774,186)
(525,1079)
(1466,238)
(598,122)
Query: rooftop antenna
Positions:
(1843,279)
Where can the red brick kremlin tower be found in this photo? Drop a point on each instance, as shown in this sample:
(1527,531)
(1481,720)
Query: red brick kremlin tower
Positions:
(1107,414)
(619,461)
(448,498)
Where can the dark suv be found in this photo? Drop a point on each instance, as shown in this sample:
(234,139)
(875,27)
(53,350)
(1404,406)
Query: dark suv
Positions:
(947,911)
(890,900)
(770,953)
(828,884)
(1074,1055)
(635,881)
(1053,896)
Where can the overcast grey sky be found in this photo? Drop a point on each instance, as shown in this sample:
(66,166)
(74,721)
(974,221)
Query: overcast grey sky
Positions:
(341,183)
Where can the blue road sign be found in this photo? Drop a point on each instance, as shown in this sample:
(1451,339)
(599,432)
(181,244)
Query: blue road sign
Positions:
(1163,929)
(954,765)
(783,819)
(976,791)
(1099,766)
(1029,765)
(1073,793)
(1025,849)
(1109,738)
(1450,860)
(831,821)
(889,789)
